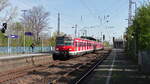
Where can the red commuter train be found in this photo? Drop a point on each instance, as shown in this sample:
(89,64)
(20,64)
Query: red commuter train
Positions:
(67,46)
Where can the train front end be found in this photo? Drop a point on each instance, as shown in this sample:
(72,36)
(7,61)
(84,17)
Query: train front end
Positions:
(64,45)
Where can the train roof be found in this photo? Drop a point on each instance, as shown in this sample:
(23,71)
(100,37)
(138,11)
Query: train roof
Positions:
(82,37)
(89,38)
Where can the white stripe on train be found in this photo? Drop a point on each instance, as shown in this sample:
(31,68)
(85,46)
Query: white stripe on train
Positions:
(82,51)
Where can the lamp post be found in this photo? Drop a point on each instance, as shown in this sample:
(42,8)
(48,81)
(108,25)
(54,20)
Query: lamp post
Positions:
(51,48)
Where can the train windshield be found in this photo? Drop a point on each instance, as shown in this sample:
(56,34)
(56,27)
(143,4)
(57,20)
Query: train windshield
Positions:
(63,41)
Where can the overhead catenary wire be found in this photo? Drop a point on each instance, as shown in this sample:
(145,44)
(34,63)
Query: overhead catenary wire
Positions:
(106,8)
(87,7)
(92,12)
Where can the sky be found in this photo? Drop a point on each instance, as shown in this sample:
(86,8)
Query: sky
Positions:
(98,17)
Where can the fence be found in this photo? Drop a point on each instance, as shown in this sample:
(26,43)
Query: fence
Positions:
(4,50)
(145,60)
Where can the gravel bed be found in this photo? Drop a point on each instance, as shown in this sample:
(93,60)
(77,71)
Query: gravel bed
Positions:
(61,72)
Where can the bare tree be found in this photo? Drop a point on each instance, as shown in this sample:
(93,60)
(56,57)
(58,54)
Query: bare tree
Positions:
(3,4)
(9,14)
(36,19)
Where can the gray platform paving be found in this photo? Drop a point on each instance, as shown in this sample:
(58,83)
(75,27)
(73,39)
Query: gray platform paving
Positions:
(117,69)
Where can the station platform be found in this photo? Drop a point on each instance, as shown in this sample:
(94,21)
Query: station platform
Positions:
(13,56)
(117,69)
(8,62)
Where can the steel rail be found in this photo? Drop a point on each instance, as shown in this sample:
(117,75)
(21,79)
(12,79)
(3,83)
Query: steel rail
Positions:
(90,70)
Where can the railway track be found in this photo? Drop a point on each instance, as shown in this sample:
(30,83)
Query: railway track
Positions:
(79,80)
(92,66)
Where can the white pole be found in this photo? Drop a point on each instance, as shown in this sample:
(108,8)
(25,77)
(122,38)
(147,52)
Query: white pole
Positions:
(42,45)
(8,42)
(24,39)
(8,45)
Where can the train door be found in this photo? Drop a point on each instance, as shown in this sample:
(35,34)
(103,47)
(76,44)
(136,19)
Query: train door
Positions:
(86,45)
(77,45)
(83,45)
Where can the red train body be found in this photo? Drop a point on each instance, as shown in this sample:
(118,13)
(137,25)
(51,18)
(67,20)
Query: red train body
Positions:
(67,46)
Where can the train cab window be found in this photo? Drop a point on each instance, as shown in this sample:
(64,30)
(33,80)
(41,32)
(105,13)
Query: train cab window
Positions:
(67,42)
(59,41)
(64,41)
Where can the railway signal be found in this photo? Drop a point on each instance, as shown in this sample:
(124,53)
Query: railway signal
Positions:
(4,27)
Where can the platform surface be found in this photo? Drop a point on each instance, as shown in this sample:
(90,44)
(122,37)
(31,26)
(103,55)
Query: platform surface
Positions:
(117,69)
(21,55)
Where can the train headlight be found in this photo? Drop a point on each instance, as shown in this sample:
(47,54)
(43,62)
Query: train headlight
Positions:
(57,48)
(70,48)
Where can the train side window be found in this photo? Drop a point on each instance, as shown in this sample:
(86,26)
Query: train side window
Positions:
(79,44)
(82,44)
(88,44)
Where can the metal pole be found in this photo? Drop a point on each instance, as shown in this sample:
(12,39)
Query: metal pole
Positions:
(8,44)
(58,32)
(85,32)
(101,36)
(42,44)
(24,39)
(76,30)
(130,13)
(24,11)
